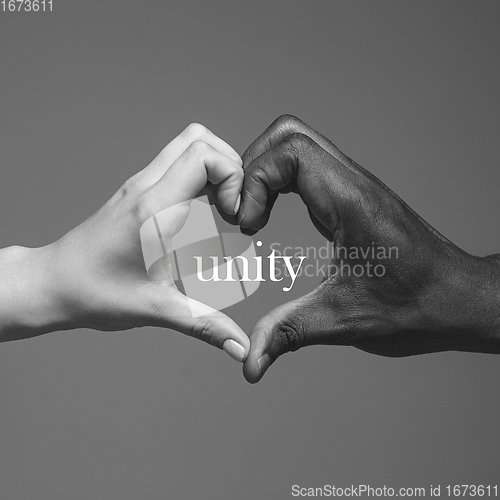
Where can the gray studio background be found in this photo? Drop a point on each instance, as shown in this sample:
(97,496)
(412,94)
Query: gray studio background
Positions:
(92,91)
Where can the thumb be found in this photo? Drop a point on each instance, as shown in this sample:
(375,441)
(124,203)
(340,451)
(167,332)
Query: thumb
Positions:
(202,322)
(305,321)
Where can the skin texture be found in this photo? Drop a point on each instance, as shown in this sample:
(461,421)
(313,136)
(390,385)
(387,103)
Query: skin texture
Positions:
(433,297)
(94,276)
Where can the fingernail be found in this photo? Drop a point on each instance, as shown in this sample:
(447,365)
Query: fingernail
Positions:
(235,350)
(240,218)
(237,206)
(263,362)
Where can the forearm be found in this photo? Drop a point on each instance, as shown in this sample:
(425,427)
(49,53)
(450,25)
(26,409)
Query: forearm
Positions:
(29,301)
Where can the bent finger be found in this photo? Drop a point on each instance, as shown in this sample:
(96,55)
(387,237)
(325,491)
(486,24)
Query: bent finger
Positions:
(279,130)
(174,149)
(189,174)
(300,165)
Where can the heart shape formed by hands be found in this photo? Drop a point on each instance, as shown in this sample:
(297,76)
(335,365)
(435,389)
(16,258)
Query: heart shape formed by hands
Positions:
(95,276)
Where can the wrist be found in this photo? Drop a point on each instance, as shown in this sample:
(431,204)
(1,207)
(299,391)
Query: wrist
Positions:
(30,299)
(461,311)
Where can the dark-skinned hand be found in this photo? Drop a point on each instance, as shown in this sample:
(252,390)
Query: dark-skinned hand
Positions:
(432,297)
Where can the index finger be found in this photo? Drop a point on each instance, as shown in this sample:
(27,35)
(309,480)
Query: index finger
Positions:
(279,130)
(174,149)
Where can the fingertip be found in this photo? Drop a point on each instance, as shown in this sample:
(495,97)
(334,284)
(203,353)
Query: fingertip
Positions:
(237,205)
(247,231)
(263,363)
(251,372)
(254,370)
(230,219)
(217,329)
(258,360)
(230,207)
(235,350)
(231,153)
(252,215)
(236,343)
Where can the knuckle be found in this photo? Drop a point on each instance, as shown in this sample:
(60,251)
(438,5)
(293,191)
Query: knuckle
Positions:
(128,190)
(257,174)
(288,122)
(204,330)
(298,142)
(289,335)
(130,185)
(198,147)
(142,209)
(195,130)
